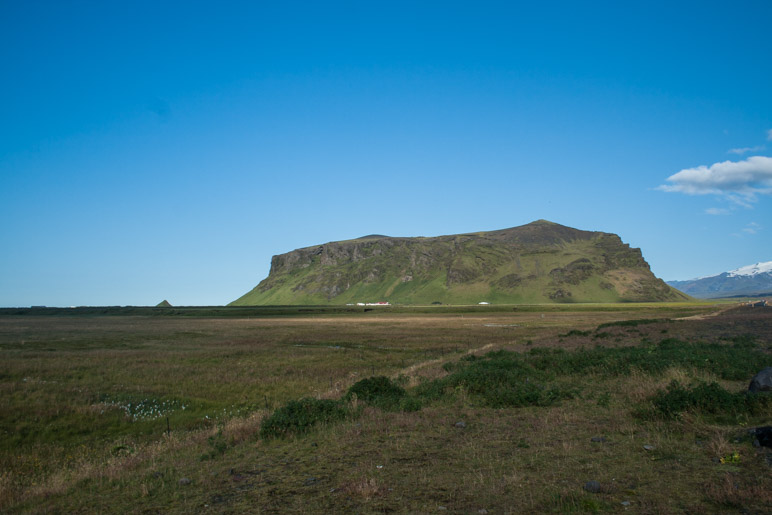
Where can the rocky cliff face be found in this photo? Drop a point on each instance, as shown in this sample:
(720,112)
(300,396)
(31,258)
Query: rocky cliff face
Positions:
(538,262)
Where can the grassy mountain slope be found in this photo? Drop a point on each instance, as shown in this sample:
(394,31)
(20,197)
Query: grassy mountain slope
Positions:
(535,263)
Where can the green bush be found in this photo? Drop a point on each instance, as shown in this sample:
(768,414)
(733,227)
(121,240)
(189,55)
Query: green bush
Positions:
(708,398)
(297,417)
(500,379)
(632,323)
(379,391)
(575,332)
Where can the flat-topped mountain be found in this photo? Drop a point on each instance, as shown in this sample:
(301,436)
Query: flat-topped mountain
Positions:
(540,262)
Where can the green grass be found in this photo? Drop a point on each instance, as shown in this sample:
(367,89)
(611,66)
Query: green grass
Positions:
(326,411)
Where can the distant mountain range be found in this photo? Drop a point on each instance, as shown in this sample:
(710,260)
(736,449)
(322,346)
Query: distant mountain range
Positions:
(751,280)
(541,262)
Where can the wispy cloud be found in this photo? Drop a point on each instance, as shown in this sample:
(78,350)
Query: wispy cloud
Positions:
(745,150)
(749,230)
(717,211)
(769,135)
(752,228)
(739,181)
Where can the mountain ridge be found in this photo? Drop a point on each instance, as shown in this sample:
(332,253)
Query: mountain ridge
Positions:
(749,280)
(534,263)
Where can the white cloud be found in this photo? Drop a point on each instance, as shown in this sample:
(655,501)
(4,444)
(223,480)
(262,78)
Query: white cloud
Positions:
(717,211)
(745,150)
(738,181)
(752,228)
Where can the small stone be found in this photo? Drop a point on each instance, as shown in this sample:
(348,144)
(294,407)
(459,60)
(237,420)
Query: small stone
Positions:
(626,503)
(598,439)
(482,511)
(310,481)
(184,481)
(461,424)
(592,486)
(756,443)
(442,508)
(648,447)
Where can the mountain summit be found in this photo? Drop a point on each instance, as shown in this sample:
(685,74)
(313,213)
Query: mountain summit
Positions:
(747,280)
(534,263)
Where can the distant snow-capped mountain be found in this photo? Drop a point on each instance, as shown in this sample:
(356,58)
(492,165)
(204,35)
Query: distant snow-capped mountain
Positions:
(747,280)
(750,270)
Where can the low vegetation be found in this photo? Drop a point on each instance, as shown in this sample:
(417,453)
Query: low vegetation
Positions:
(508,411)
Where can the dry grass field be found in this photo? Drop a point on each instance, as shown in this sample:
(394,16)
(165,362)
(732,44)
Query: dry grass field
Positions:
(126,413)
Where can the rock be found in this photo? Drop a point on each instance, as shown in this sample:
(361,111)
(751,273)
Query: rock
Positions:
(598,439)
(310,481)
(761,382)
(625,503)
(461,424)
(648,447)
(592,486)
(184,481)
(763,436)
(482,511)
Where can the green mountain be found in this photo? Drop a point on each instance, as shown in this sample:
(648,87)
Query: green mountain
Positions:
(541,262)
(163,304)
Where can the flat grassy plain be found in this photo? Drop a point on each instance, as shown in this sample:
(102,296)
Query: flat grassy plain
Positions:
(160,410)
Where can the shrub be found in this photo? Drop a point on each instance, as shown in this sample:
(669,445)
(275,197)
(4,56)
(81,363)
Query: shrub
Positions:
(297,417)
(708,398)
(575,332)
(379,391)
(632,323)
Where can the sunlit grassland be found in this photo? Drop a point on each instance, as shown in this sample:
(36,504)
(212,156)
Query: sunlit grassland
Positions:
(87,403)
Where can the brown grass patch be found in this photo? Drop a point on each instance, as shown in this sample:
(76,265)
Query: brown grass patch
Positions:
(241,429)
(364,488)
(730,490)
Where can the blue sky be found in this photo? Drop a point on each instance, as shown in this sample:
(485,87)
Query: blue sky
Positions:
(166,150)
